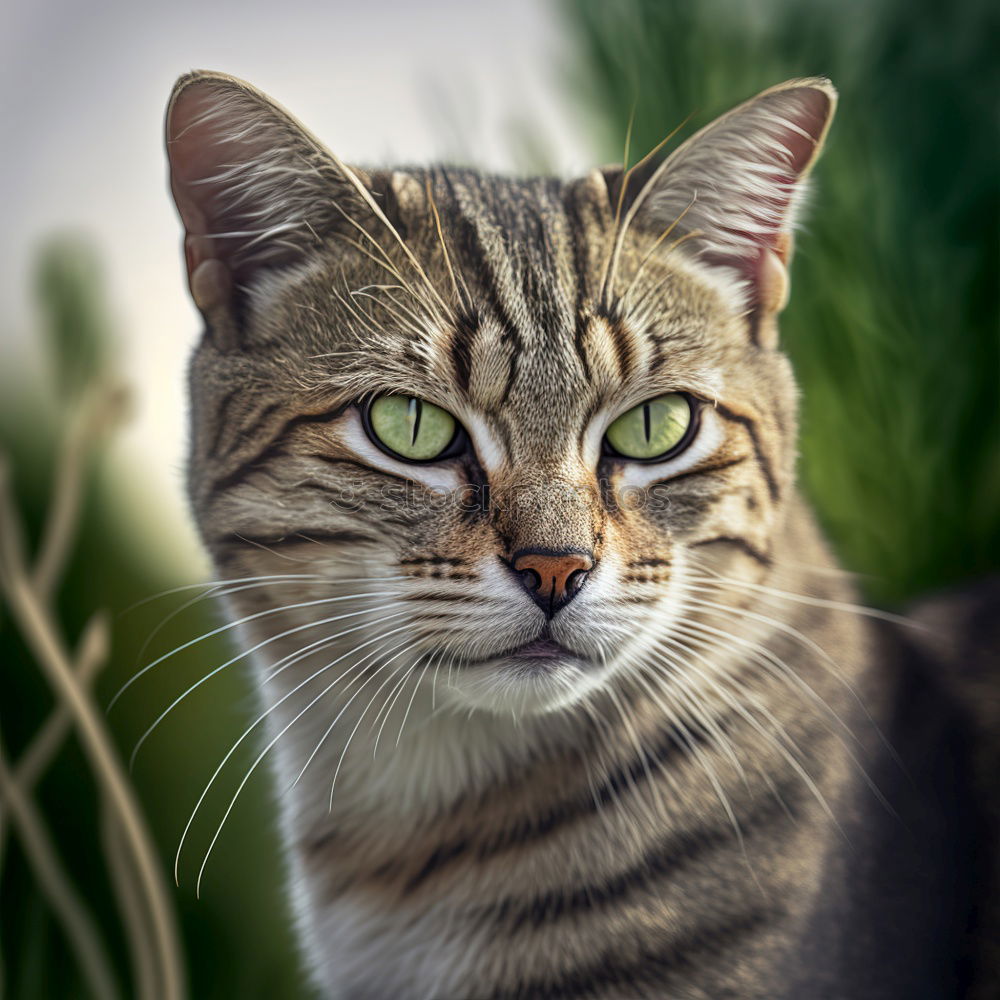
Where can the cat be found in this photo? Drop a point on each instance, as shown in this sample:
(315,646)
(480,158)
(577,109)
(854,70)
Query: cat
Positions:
(563,692)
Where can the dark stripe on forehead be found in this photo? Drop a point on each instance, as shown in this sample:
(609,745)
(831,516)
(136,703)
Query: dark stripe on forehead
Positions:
(621,340)
(542,296)
(538,263)
(463,335)
(512,337)
(581,271)
(580,328)
(516,248)
(624,350)
(477,258)
(477,262)
(658,356)
(578,244)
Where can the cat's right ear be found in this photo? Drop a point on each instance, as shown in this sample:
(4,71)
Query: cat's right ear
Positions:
(256,192)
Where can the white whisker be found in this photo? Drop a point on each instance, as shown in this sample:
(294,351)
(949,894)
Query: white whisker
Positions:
(271,744)
(243,621)
(406,714)
(219,583)
(337,717)
(394,696)
(256,723)
(216,670)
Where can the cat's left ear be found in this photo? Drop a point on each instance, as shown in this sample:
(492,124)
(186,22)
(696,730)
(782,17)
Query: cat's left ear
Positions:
(736,185)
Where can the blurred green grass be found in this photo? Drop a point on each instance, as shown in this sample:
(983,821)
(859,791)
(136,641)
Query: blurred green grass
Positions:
(892,329)
(893,321)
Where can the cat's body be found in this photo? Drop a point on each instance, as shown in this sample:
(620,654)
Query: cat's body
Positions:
(672,777)
(486,858)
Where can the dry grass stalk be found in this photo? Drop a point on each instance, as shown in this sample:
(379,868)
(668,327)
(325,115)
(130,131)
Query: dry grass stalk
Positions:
(145,904)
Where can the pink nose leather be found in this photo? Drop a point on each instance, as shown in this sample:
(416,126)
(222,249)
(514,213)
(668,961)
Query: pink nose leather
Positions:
(552,579)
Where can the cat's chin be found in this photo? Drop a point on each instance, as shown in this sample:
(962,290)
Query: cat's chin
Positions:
(533,684)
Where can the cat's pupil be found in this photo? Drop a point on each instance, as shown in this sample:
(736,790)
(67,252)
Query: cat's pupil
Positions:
(414,412)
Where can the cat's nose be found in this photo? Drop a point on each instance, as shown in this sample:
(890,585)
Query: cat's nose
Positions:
(551,577)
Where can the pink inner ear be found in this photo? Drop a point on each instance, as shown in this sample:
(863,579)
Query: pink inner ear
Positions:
(194,155)
(801,143)
(799,137)
(210,155)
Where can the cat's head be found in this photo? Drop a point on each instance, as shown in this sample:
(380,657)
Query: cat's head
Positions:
(522,416)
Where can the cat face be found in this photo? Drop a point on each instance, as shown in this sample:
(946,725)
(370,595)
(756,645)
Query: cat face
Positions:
(521,416)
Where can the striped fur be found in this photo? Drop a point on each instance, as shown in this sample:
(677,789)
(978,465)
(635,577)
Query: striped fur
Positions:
(656,814)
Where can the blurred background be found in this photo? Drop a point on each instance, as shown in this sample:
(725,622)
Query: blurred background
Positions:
(892,327)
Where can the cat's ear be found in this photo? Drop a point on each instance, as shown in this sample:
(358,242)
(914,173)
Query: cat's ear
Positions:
(733,189)
(255,191)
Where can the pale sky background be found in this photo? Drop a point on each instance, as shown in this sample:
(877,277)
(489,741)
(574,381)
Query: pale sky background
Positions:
(82,92)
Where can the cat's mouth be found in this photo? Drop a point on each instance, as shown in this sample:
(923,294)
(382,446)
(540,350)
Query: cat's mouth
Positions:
(538,651)
(532,677)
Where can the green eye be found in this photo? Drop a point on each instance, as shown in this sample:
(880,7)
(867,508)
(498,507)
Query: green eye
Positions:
(652,429)
(410,428)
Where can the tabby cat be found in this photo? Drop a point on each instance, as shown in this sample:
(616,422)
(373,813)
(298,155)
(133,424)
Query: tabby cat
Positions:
(562,691)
